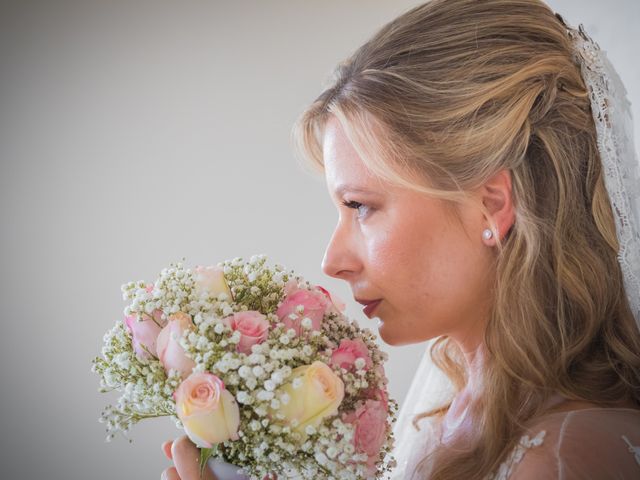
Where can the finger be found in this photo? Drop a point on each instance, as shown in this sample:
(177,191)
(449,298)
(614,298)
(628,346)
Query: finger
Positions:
(186,458)
(166,449)
(170,474)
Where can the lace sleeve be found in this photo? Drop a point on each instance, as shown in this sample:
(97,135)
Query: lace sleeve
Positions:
(593,443)
(540,467)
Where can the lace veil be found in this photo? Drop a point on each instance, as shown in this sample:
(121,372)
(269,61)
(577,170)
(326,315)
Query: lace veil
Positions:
(614,124)
(613,119)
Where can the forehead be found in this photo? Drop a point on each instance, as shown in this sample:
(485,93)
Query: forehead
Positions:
(342,163)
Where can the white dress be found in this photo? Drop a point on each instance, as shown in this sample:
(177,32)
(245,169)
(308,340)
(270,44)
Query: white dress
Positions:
(592,443)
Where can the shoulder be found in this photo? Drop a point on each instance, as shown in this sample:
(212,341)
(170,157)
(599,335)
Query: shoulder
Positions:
(596,442)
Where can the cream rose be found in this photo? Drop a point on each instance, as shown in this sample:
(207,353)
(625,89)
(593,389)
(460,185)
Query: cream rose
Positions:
(170,352)
(318,395)
(210,281)
(208,412)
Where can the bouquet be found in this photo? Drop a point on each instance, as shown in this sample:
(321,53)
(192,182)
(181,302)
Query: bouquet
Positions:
(259,367)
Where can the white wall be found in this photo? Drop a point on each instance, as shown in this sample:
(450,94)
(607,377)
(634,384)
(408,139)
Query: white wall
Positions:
(135,133)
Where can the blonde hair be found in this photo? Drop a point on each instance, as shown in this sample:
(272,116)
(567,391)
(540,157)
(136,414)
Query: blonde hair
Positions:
(439,100)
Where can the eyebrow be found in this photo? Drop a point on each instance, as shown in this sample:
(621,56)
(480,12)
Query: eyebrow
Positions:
(344,188)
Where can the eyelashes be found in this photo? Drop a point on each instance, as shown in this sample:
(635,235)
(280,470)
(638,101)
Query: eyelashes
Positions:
(352,204)
(362,209)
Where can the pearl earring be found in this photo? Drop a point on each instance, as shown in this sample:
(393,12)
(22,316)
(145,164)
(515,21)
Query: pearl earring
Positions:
(487,234)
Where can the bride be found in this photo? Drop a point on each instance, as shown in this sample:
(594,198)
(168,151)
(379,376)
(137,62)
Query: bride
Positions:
(488,202)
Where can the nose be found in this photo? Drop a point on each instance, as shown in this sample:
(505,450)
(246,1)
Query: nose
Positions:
(340,257)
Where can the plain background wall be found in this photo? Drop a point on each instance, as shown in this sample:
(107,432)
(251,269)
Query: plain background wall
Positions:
(133,133)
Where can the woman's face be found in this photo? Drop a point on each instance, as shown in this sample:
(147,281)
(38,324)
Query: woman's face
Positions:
(431,274)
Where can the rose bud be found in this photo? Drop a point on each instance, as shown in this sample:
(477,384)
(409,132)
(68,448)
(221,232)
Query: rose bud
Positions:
(144,333)
(170,352)
(210,281)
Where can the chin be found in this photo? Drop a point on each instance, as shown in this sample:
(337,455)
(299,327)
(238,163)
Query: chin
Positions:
(398,337)
(390,337)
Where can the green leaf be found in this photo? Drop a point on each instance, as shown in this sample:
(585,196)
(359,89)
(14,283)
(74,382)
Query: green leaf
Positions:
(205,454)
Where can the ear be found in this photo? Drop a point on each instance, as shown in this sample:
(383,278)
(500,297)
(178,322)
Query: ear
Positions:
(497,199)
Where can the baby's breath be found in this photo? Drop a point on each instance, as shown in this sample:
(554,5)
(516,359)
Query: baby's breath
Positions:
(266,443)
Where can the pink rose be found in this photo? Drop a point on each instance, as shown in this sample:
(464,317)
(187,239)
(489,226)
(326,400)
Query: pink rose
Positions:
(347,353)
(380,371)
(253,327)
(208,411)
(170,352)
(338,304)
(379,394)
(370,421)
(300,303)
(144,333)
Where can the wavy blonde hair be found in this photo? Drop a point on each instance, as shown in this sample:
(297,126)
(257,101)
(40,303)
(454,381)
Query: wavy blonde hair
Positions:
(439,100)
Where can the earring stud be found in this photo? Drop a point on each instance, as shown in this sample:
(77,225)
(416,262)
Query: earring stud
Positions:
(487,234)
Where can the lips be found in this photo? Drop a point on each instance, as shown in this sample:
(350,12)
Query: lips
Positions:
(369,306)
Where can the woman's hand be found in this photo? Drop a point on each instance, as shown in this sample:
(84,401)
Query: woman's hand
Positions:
(186,461)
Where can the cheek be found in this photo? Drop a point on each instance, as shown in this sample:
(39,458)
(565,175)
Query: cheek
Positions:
(386,258)
(427,276)
(399,263)
(397,242)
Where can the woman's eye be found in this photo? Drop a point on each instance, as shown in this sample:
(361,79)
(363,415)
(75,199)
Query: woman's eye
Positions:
(361,208)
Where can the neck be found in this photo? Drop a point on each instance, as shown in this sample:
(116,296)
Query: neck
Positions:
(475,360)
(456,423)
